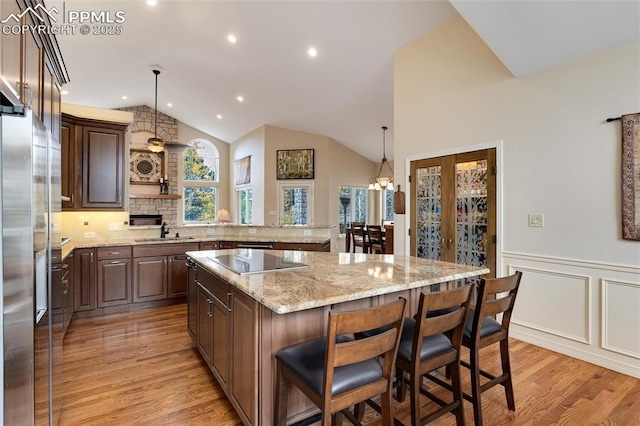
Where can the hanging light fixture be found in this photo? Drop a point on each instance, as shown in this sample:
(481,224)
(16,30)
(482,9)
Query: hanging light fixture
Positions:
(155,144)
(382,181)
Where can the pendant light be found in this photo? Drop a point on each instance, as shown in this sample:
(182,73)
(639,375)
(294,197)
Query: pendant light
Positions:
(155,144)
(382,181)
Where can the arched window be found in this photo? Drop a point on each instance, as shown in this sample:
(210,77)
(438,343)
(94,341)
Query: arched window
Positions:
(200,177)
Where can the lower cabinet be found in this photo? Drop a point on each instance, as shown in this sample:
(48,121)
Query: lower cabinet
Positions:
(114,276)
(160,271)
(225,334)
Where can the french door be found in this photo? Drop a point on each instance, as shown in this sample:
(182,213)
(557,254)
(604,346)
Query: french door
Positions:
(453,205)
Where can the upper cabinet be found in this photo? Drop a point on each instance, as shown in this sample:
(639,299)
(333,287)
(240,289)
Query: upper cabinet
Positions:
(93,161)
(31,62)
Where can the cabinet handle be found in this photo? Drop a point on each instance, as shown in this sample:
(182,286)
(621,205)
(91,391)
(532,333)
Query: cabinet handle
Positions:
(66,286)
(71,198)
(114,253)
(450,242)
(209,307)
(91,258)
(114,262)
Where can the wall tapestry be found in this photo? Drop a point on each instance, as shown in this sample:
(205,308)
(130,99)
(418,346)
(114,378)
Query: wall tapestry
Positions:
(294,164)
(631,176)
(145,167)
(243,170)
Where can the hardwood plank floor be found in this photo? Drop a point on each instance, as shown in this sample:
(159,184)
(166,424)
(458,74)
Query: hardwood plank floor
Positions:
(141,369)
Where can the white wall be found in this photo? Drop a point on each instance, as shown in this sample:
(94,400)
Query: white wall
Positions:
(250,144)
(560,159)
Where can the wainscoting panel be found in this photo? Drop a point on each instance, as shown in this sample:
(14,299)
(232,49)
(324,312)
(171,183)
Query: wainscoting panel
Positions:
(584,309)
(620,310)
(553,302)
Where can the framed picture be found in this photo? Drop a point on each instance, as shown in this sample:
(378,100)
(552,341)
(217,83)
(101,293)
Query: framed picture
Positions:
(631,177)
(243,170)
(294,164)
(145,167)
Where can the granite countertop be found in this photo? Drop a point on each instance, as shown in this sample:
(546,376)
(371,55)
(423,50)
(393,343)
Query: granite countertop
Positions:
(69,246)
(334,277)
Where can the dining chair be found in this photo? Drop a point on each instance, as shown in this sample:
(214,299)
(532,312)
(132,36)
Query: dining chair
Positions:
(360,238)
(495,296)
(376,241)
(338,371)
(430,340)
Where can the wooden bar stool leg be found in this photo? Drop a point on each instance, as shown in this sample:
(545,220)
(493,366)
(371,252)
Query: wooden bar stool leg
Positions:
(414,383)
(506,370)
(475,386)
(457,393)
(387,417)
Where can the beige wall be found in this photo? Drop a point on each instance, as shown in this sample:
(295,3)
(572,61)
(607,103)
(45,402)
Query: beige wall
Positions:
(250,144)
(334,165)
(559,158)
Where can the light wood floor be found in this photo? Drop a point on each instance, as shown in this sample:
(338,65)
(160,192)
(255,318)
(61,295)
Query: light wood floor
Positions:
(141,369)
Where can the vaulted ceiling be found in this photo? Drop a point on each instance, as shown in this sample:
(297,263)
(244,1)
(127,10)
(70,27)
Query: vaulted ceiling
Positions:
(345,92)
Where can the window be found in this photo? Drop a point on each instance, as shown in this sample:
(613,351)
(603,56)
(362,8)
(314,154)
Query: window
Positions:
(296,204)
(200,181)
(387,205)
(353,206)
(245,206)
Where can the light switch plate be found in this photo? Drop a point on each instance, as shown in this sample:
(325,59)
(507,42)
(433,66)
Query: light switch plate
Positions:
(211,231)
(89,234)
(307,232)
(536,220)
(252,231)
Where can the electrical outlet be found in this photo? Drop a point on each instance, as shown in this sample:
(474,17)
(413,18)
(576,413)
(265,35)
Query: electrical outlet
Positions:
(211,231)
(252,231)
(116,226)
(536,220)
(89,234)
(307,232)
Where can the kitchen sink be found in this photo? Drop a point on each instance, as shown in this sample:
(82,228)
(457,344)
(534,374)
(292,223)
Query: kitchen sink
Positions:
(168,239)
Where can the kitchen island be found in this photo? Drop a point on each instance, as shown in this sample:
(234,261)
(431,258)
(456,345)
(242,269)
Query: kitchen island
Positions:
(239,321)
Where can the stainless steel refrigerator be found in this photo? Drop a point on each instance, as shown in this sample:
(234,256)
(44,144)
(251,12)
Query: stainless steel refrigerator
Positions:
(26,221)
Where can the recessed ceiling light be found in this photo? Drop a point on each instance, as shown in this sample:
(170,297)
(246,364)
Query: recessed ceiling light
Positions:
(240,99)
(125,97)
(312,52)
(219,116)
(152,2)
(169,104)
(64,92)
(231,38)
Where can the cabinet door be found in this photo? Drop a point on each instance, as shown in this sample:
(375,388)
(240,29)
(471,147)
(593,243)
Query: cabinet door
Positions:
(221,351)
(192,302)
(205,324)
(453,201)
(102,168)
(244,380)
(85,280)
(68,165)
(11,52)
(177,275)
(150,278)
(114,282)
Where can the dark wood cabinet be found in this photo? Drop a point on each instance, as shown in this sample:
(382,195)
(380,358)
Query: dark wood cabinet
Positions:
(93,161)
(209,245)
(177,275)
(225,334)
(244,380)
(114,276)
(192,300)
(324,246)
(150,278)
(85,280)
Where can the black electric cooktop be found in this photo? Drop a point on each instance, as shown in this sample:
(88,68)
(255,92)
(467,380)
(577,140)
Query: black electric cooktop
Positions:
(251,261)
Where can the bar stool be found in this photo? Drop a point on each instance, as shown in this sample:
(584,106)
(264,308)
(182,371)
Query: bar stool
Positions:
(432,340)
(336,372)
(482,330)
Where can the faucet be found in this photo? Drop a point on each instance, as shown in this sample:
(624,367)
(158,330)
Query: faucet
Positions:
(164,230)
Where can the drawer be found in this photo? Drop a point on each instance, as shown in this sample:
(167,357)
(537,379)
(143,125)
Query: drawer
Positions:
(164,249)
(300,246)
(217,286)
(116,252)
(208,245)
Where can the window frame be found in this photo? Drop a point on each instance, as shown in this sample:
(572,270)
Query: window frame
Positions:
(214,184)
(239,189)
(302,184)
(352,212)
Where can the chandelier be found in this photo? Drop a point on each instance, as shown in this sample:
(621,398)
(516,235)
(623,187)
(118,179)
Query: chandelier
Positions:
(382,181)
(155,144)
